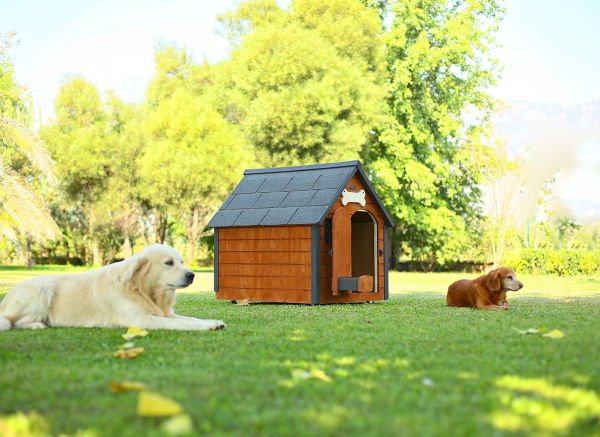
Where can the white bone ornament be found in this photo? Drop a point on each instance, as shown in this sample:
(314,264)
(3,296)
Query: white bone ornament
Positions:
(354,197)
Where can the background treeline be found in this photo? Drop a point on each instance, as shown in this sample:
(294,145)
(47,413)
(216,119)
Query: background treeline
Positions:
(401,85)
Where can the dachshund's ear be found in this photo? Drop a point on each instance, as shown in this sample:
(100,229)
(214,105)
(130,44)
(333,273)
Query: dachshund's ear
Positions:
(135,274)
(493,282)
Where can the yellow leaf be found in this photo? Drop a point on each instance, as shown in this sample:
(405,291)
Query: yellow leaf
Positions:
(244,302)
(555,333)
(178,425)
(133,332)
(154,405)
(298,374)
(117,387)
(128,353)
(319,374)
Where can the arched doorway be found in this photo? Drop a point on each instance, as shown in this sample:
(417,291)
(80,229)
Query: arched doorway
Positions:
(364,245)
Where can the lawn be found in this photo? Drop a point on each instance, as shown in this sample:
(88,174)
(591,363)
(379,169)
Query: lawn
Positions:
(407,366)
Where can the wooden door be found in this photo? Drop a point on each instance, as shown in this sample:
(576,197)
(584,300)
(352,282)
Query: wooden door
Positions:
(341,247)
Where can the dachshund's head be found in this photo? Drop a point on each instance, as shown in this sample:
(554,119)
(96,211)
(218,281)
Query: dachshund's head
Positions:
(503,279)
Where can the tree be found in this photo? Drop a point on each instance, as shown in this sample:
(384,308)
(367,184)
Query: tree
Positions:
(193,156)
(24,163)
(303,84)
(423,159)
(91,152)
(502,184)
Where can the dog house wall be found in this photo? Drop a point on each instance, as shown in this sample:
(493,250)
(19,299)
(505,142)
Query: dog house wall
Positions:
(266,264)
(292,262)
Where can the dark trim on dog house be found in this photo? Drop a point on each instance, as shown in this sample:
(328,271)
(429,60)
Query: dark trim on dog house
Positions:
(386,263)
(315,268)
(216,260)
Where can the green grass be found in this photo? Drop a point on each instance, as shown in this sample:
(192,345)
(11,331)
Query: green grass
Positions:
(408,366)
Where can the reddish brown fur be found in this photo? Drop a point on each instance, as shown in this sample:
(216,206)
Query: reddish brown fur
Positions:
(485,292)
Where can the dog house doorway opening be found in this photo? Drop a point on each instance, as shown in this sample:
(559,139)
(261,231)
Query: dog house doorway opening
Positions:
(364,245)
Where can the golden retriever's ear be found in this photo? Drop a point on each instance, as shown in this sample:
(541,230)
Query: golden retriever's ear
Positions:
(136,273)
(493,282)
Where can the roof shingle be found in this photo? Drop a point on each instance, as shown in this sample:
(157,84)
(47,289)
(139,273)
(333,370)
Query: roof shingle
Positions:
(288,196)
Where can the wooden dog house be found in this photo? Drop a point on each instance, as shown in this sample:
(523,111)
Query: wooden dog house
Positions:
(311,234)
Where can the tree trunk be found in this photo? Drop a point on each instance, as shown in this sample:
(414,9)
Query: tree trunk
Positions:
(127,252)
(160,227)
(96,254)
(28,251)
(193,232)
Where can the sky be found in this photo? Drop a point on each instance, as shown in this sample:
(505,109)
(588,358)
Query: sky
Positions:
(550,50)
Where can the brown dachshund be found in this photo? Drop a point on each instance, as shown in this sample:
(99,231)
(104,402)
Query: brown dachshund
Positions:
(487,292)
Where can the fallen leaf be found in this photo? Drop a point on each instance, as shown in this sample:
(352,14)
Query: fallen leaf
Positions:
(152,404)
(319,374)
(244,302)
(118,387)
(528,331)
(555,333)
(313,374)
(133,332)
(128,353)
(127,345)
(178,425)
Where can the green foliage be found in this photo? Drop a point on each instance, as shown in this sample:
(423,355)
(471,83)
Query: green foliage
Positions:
(24,163)
(95,143)
(424,157)
(303,84)
(554,262)
(193,156)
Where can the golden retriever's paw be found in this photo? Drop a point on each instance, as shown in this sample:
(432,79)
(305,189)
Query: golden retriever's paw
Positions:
(218,324)
(33,325)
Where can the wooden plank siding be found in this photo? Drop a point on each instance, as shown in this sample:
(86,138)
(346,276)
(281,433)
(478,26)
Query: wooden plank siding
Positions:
(266,264)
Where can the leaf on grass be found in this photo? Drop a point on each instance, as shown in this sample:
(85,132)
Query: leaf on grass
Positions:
(128,353)
(118,387)
(133,332)
(244,302)
(152,404)
(555,333)
(178,425)
(127,345)
(319,374)
(21,424)
(528,331)
(298,374)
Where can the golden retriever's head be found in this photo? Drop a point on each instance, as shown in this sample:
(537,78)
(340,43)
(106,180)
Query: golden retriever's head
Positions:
(159,267)
(503,279)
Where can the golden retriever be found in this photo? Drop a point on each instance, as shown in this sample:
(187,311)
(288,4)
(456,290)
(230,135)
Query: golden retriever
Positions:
(487,292)
(139,291)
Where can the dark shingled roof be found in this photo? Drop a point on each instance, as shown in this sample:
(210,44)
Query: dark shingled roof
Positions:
(289,196)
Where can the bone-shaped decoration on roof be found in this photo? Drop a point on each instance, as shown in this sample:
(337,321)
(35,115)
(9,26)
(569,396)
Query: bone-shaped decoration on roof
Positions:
(354,197)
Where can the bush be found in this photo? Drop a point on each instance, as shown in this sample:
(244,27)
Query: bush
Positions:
(554,262)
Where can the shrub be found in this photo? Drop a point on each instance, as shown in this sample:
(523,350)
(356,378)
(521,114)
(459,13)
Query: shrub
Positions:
(554,262)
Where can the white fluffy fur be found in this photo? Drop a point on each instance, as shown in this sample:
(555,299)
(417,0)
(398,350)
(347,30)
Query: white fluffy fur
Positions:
(139,291)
